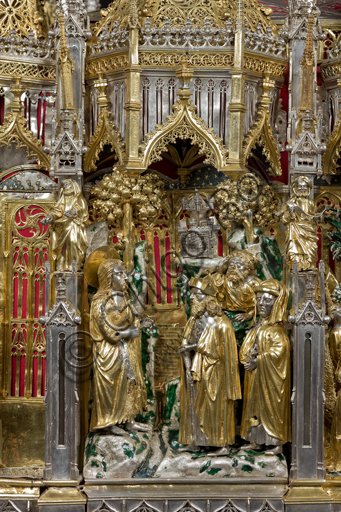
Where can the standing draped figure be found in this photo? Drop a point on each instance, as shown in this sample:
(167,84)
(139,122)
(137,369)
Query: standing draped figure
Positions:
(265,354)
(68,218)
(301,234)
(212,371)
(119,388)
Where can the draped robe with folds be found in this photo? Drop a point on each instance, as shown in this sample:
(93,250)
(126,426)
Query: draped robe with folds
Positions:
(333,455)
(189,431)
(69,235)
(334,461)
(267,387)
(301,235)
(239,297)
(215,371)
(119,389)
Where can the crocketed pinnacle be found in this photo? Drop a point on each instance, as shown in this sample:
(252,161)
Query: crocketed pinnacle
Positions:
(307,63)
(240,15)
(63,43)
(65,67)
(133,18)
(308,54)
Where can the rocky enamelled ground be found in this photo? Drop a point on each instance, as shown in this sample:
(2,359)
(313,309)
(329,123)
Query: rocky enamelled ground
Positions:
(155,454)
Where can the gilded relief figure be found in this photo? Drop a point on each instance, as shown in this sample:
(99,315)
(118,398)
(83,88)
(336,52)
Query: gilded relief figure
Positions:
(236,286)
(190,433)
(119,388)
(334,455)
(68,218)
(300,217)
(210,382)
(265,354)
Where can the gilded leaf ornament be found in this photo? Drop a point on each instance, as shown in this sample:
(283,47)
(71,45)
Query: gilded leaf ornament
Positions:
(105,133)
(159,11)
(217,11)
(261,133)
(332,154)
(184,124)
(254,13)
(179,13)
(24,16)
(14,131)
(123,12)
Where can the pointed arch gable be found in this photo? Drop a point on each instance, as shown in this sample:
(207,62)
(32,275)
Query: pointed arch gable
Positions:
(184,124)
(144,506)
(105,507)
(105,133)
(14,131)
(261,133)
(229,506)
(188,506)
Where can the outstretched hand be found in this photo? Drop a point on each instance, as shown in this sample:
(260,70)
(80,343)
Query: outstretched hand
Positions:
(71,213)
(49,219)
(242,317)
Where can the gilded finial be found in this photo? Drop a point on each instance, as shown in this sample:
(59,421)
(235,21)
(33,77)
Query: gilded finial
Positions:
(16,89)
(184,73)
(268,84)
(101,84)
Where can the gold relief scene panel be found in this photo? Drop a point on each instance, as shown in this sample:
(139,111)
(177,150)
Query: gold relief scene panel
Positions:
(202,266)
(170,252)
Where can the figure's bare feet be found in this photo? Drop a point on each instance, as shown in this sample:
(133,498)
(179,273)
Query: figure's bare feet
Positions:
(113,429)
(275,450)
(137,427)
(189,448)
(225,450)
(251,446)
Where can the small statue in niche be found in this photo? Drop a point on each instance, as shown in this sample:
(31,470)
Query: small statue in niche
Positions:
(265,354)
(300,215)
(210,382)
(236,287)
(69,217)
(115,327)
